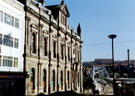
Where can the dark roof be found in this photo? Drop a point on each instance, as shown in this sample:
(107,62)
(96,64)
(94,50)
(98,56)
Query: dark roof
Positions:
(57,7)
(54,6)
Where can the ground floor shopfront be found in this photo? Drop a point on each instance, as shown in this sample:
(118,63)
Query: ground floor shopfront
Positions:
(12,84)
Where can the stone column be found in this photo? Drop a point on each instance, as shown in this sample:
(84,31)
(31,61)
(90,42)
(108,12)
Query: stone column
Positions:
(65,75)
(81,73)
(71,75)
(27,35)
(50,56)
(58,58)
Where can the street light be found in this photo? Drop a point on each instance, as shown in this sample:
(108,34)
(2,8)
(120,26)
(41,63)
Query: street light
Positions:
(112,36)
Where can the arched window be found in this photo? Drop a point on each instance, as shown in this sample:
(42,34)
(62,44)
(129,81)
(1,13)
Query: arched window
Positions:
(44,80)
(32,79)
(68,78)
(34,42)
(53,80)
(45,46)
(78,79)
(61,79)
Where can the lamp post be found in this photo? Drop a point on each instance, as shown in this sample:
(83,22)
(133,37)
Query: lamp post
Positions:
(112,36)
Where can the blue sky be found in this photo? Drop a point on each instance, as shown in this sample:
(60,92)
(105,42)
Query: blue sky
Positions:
(100,18)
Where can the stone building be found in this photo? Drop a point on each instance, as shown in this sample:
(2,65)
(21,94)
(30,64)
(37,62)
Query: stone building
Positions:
(52,49)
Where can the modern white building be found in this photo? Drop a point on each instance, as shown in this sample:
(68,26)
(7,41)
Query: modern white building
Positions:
(12,34)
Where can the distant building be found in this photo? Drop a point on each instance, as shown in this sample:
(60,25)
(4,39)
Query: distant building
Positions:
(52,49)
(12,33)
(121,67)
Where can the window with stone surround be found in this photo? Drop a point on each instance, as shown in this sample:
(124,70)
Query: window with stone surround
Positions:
(62,51)
(69,54)
(44,80)
(78,56)
(54,49)
(74,55)
(53,79)
(45,46)
(32,83)
(78,79)
(68,75)
(34,43)
(61,79)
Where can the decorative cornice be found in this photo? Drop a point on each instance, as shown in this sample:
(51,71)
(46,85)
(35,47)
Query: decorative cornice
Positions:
(54,25)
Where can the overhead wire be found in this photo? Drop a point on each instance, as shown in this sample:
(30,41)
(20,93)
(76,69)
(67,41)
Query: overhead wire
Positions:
(109,43)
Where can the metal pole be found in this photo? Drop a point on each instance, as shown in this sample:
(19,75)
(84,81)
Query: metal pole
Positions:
(112,36)
(113,67)
(128,61)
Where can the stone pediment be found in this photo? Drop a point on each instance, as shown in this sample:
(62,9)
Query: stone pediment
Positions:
(35,26)
(65,10)
(45,32)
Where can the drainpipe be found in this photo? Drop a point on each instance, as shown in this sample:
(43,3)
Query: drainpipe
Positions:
(58,54)
(24,55)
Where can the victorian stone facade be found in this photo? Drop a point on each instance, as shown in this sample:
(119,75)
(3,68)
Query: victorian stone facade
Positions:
(52,49)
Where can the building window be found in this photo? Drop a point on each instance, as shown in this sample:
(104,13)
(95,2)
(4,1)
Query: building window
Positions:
(74,55)
(34,42)
(78,79)
(68,78)
(62,19)
(61,79)
(32,80)
(53,80)
(68,53)
(7,61)
(15,62)
(78,56)
(45,46)
(65,21)
(54,49)
(16,23)
(0,39)
(62,51)
(44,80)
(8,41)
(9,19)
(0,60)
(16,43)
(1,16)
